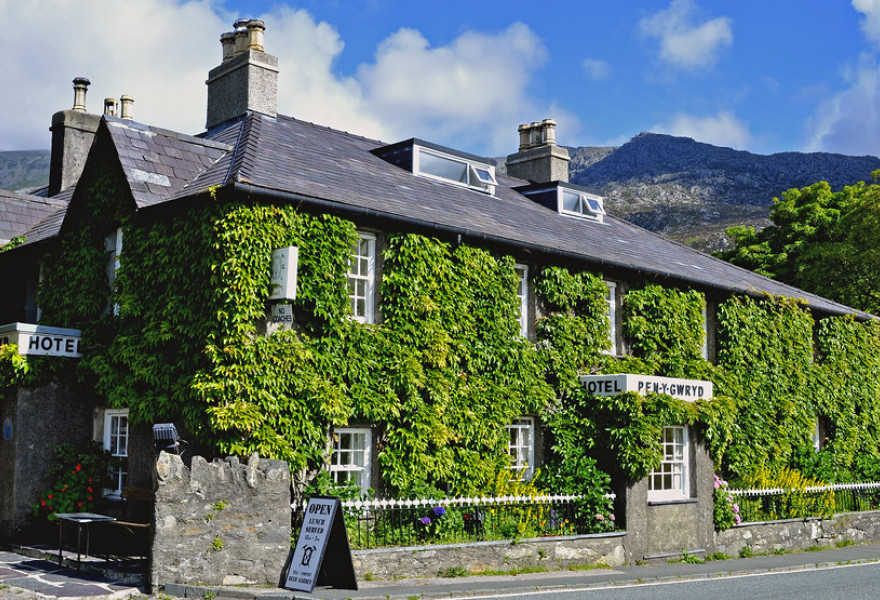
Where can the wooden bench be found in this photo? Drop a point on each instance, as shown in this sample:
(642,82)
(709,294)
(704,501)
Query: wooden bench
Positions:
(129,534)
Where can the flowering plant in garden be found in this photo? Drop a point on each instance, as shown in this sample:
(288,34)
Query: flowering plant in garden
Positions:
(726,510)
(430,524)
(77,478)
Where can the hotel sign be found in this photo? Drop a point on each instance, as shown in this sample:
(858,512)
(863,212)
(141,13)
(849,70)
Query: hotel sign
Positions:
(39,340)
(611,385)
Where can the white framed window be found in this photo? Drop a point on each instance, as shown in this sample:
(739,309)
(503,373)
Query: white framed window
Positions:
(521,446)
(362,278)
(611,302)
(671,480)
(454,169)
(351,457)
(116,443)
(581,204)
(522,295)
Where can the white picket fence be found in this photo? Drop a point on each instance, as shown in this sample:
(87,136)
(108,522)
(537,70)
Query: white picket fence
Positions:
(835,487)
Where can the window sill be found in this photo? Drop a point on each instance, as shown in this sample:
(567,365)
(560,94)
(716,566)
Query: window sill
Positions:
(661,502)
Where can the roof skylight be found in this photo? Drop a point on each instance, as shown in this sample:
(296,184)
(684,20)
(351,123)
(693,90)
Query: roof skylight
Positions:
(581,204)
(567,199)
(453,169)
(443,164)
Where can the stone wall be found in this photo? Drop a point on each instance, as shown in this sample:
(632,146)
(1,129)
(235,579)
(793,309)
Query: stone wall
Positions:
(549,553)
(799,534)
(661,530)
(39,418)
(220,523)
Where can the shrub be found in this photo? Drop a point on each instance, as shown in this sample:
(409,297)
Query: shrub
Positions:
(78,475)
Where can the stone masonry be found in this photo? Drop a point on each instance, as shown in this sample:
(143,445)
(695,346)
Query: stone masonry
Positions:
(220,523)
(605,549)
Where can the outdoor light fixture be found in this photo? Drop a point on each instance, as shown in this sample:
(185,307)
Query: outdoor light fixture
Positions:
(166,438)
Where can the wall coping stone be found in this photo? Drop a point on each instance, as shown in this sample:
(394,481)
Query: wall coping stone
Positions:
(548,539)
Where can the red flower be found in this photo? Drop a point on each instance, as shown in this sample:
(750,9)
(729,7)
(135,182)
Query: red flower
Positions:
(89,489)
(78,467)
(90,479)
(79,504)
(90,498)
(49,496)
(42,502)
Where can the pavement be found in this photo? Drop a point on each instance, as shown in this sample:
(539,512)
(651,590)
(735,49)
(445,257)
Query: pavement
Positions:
(24,578)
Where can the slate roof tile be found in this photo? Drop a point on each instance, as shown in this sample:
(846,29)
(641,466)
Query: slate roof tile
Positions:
(19,213)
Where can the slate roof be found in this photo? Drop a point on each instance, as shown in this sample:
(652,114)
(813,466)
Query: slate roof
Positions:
(281,157)
(19,213)
(284,156)
(159,163)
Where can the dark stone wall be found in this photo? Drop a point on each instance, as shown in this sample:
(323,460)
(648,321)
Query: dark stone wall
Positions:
(41,418)
(220,523)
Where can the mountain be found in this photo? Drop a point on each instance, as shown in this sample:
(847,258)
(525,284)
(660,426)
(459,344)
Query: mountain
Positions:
(691,191)
(24,169)
(686,190)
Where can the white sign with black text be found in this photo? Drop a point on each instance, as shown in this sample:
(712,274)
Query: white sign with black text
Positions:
(39,340)
(611,385)
(322,555)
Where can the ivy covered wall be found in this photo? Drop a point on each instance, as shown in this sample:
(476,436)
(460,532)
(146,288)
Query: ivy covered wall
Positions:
(445,369)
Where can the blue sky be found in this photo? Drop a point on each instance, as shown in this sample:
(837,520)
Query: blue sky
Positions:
(764,76)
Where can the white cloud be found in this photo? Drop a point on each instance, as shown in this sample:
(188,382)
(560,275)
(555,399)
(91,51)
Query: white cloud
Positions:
(596,69)
(147,49)
(471,92)
(684,43)
(722,129)
(849,122)
(871,23)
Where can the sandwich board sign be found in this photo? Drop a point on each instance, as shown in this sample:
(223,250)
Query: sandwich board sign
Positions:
(322,555)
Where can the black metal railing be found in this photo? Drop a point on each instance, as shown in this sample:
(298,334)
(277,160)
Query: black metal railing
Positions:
(391,522)
(815,501)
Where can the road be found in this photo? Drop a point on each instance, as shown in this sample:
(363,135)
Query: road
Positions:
(852,582)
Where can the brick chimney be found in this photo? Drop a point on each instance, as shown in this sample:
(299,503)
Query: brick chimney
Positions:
(72,134)
(246,79)
(539,159)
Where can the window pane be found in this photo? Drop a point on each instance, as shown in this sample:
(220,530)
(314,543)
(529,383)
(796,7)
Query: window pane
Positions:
(361,278)
(670,479)
(350,460)
(570,201)
(440,166)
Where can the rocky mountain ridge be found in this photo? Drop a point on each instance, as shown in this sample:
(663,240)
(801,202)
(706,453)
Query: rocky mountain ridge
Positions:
(691,191)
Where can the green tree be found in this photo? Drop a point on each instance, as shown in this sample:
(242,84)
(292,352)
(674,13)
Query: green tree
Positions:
(822,241)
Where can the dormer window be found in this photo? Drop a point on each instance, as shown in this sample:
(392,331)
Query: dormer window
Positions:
(567,199)
(443,164)
(582,204)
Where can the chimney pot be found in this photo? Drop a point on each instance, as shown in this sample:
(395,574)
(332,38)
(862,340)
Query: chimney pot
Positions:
(227,41)
(80,87)
(524,142)
(241,36)
(127,103)
(110,107)
(549,126)
(255,29)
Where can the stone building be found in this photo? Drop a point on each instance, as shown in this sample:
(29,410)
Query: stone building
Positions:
(113,178)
